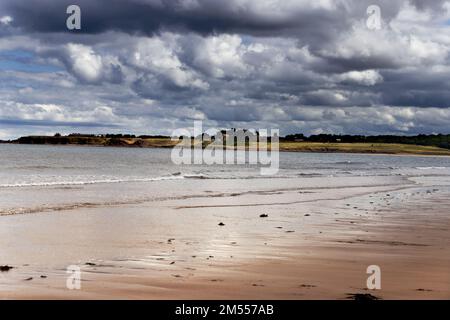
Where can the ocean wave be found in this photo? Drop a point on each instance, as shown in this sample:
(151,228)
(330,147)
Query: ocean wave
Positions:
(88,182)
(60,182)
(204,195)
(432,168)
(173,176)
(349,162)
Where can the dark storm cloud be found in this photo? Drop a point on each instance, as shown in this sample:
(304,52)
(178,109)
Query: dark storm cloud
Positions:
(416,88)
(148,17)
(338,64)
(310,23)
(203,16)
(158,87)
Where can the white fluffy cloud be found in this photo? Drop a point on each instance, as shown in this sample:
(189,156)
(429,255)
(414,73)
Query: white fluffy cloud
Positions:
(366,77)
(6,20)
(159,56)
(91,67)
(221,56)
(56,113)
(84,62)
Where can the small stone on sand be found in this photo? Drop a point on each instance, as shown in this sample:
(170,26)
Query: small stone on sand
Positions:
(5,268)
(361,296)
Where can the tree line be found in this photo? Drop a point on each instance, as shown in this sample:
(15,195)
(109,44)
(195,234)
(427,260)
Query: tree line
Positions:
(438,140)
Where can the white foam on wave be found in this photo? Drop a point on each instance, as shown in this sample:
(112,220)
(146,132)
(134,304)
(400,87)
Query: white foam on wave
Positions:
(88,182)
(174,176)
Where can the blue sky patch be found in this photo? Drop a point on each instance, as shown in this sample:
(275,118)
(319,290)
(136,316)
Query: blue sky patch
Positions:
(24,61)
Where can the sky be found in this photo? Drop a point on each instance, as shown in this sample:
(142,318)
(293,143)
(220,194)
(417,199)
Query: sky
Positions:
(153,66)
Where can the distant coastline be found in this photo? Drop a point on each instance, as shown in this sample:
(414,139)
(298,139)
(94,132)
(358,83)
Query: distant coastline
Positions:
(287,144)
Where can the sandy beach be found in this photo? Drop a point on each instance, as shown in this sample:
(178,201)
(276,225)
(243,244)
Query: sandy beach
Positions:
(269,238)
(240,150)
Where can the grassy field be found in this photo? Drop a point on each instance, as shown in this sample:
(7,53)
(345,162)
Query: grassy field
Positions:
(386,148)
(373,148)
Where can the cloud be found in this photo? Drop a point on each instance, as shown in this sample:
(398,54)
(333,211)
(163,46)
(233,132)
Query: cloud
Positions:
(159,57)
(89,66)
(154,65)
(6,20)
(84,62)
(366,77)
(220,56)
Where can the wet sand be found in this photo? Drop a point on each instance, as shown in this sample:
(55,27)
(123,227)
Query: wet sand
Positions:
(315,243)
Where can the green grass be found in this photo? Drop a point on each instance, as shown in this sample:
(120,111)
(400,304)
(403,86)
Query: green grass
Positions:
(375,148)
(386,148)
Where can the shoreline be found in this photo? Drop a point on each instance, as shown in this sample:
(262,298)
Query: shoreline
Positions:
(281,149)
(318,249)
(295,262)
(310,233)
